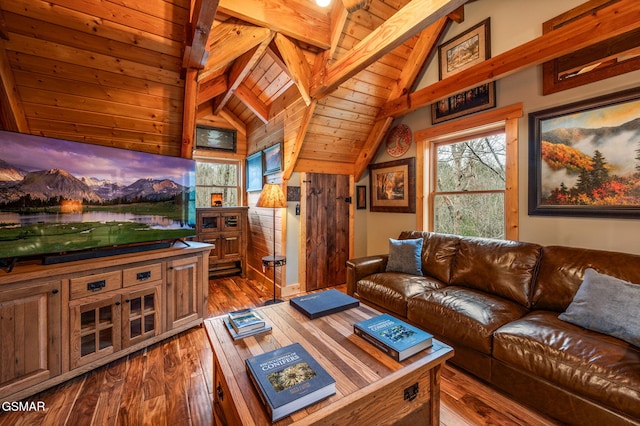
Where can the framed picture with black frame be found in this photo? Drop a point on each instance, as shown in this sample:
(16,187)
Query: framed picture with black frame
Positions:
(215,139)
(272,159)
(584,158)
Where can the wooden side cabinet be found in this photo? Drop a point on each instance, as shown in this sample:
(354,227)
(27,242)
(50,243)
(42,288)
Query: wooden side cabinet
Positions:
(225,228)
(30,335)
(59,321)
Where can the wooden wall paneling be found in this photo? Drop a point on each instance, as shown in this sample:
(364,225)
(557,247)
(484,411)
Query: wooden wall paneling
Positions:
(85,21)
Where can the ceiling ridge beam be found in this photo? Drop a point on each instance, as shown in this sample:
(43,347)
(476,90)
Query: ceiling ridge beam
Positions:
(291,18)
(404,24)
(240,69)
(611,21)
(297,65)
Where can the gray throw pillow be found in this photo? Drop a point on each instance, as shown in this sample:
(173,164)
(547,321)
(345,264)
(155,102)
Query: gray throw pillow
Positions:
(405,256)
(607,305)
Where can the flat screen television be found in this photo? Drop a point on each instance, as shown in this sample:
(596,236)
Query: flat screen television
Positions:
(61,197)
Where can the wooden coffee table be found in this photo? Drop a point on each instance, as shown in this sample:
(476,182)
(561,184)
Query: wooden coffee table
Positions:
(372,388)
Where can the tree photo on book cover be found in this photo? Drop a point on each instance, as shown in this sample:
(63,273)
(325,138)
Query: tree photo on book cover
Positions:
(291,376)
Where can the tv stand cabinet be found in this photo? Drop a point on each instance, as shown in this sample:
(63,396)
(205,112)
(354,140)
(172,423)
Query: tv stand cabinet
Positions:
(60,321)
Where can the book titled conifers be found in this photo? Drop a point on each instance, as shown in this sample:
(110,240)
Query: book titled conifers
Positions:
(393,336)
(326,302)
(289,379)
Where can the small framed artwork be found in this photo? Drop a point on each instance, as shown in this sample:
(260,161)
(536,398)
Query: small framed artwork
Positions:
(215,139)
(393,186)
(293,193)
(273,159)
(361,197)
(464,103)
(465,50)
(254,172)
(584,158)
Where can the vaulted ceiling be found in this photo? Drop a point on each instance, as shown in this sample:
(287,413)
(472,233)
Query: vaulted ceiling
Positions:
(140,74)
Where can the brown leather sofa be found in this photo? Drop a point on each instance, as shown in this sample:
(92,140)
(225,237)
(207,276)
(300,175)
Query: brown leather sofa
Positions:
(497,303)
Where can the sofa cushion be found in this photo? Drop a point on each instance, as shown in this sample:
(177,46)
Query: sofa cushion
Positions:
(405,256)
(438,252)
(561,272)
(463,315)
(591,364)
(607,305)
(391,290)
(501,267)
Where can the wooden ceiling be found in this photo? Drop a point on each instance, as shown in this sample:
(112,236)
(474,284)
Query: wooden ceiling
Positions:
(139,74)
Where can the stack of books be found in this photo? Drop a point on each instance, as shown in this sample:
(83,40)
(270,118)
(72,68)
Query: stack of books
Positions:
(245,323)
(394,337)
(289,379)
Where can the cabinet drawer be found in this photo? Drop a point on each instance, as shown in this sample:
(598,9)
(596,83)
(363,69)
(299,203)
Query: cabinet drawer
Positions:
(142,274)
(92,284)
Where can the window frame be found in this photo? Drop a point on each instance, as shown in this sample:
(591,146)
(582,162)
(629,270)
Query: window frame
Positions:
(503,119)
(239,178)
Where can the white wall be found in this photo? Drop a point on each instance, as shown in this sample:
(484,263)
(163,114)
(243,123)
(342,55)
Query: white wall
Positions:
(514,22)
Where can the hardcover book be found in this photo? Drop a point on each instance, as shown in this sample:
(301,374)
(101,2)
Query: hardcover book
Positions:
(245,320)
(394,337)
(241,335)
(323,303)
(289,379)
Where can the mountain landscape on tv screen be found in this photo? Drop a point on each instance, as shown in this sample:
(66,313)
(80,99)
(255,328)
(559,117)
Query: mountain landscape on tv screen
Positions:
(61,196)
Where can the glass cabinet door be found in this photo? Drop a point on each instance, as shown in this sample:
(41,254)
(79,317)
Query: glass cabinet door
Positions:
(140,315)
(95,330)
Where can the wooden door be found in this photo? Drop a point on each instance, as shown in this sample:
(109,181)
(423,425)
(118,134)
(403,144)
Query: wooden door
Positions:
(327,229)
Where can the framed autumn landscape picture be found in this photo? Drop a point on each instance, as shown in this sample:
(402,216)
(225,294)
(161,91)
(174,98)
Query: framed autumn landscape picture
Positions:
(584,158)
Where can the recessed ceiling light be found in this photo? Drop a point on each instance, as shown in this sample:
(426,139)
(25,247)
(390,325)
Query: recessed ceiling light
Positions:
(323,3)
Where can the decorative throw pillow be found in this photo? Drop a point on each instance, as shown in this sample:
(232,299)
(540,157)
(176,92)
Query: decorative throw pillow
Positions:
(405,256)
(607,305)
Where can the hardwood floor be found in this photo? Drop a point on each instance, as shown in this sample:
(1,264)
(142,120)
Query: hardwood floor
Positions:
(170,383)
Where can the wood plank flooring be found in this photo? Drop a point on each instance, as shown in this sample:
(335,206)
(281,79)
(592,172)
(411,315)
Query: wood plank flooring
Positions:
(170,384)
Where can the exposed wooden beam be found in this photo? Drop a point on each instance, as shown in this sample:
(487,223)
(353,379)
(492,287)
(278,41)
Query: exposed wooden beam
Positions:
(339,17)
(228,42)
(240,70)
(457,15)
(259,108)
(189,113)
(326,167)
(372,144)
(212,88)
(407,22)
(234,120)
(293,18)
(297,65)
(355,5)
(609,22)
(12,115)
(425,45)
(202,16)
(297,146)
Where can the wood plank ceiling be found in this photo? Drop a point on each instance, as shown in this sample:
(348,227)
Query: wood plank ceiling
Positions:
(139,74)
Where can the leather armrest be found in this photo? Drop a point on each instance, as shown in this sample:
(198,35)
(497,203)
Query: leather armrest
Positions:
(363,266)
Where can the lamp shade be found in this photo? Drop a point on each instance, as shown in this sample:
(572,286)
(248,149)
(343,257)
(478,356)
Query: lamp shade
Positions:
(272,197)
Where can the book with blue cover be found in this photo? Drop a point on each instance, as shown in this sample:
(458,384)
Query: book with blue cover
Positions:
(245,320)
(235,335)
(323,303)
(393,336)
(289,379)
